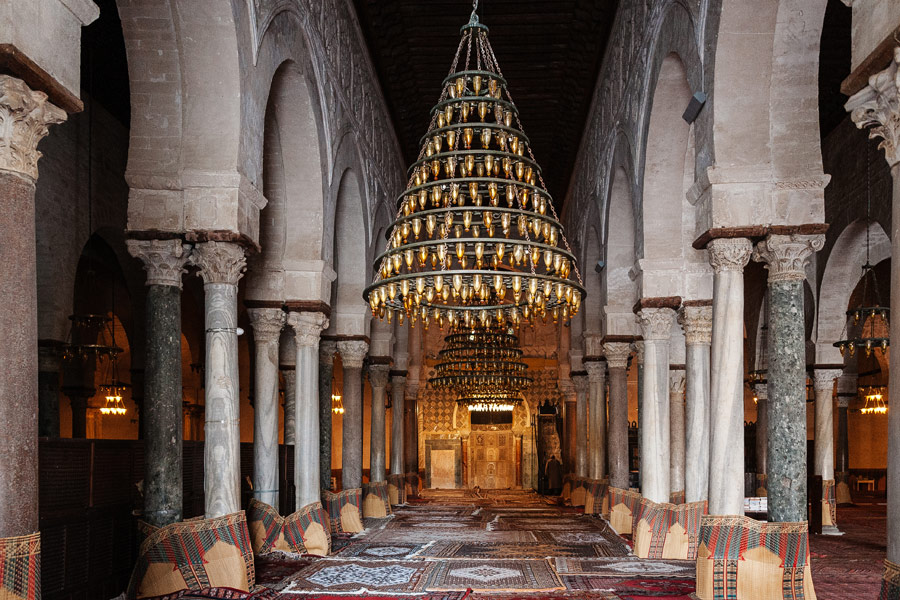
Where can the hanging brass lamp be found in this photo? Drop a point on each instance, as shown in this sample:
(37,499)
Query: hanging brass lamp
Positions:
(476,240)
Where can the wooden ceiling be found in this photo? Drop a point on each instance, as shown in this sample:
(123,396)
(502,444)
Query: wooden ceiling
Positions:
(549,51)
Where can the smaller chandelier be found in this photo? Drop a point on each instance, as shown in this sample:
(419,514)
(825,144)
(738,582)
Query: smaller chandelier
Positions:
(337,405)
(114,403)
(875,404)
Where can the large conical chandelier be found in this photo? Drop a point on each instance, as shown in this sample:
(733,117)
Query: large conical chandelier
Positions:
(480,363)
(476,240)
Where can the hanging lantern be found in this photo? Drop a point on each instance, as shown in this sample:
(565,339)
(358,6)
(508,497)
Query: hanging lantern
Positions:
(491,231)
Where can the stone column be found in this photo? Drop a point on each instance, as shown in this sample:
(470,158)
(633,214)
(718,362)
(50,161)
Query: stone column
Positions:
(762,433)
(398,392)
(823,381)
(411,427)
(786,257)
(25,115)
(287,352)
(676,431)
(378,379)
(78,399)
(656,327)
(308,326)
(695,317)
(639,359)
(353,352)
(842,472)
(327,350)
(581,423)
(728,257)
(266,324)
(221,265)
(596,371)
(48,389)
(617,354)
(162,413)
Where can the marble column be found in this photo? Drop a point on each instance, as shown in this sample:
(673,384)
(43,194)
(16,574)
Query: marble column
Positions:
(639,359)
(353,352)
(580,380)
(327,350)
(823,382)
(308,327)
(78,400)
(676,431)
(221,265)
(162,411)
(762,432)
(596,371)
(287,352)
(266,324)
(695,317)
(786,257)
(656,328)
(48,389)
(617,354)
(378,379)
(398,393)
(26,115)
(728,257)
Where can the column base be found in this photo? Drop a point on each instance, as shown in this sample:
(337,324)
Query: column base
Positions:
(831,530)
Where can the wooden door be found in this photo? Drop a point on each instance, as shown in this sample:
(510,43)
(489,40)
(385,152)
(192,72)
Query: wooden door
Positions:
(493,462)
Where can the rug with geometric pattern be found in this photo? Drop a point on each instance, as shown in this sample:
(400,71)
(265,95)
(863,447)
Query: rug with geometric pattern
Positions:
(628,566)
(330,575)
(510,550)
(494,575)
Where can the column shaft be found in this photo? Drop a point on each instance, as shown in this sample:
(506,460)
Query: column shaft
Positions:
(893,457)
(695,318)
(398,391)
(267,324)
(378,378)
(581,424)
(676,431)
(617,354)
(762,429)
(327,348)
(352,355)
(597,409)
(824,441)
(290,405)
(48,390)
(656,325)
(726,423)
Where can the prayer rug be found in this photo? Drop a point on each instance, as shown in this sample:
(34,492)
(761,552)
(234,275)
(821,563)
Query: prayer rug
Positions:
(275,566)
(385,550)
(511,551)
(494,575)
(615,544)
(269,595)
(543,524)
(617,567)
(423,536)
(361,576)
(623,586)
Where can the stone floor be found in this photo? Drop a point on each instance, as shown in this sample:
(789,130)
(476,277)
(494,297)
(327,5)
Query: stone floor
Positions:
(455,545)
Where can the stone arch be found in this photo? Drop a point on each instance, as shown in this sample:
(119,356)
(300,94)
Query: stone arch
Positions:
(839,280)
(293,182)
(350,313)
(764,106)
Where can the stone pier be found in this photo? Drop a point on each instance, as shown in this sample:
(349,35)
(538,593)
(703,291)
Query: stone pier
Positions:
(164,261)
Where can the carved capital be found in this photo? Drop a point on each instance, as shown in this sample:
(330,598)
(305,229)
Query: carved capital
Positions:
(729,254)
(823,379)
(267,323)
(877,106)
(25,116)
(327,350)
(676,384)
(353,352)
(617,354)
(596,371)
(638,352)
(307,326)
(843,402)
(219,262)
(379,375)
(656,323)
(762,391)
(398,380)
(697,324)
(164,260)
(581,383)
(786,256)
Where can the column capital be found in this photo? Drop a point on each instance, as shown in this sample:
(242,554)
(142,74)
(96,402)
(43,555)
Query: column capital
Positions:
(307,326)
(656,323)
(617,354)
(638,351)
(823,379)
(267,323)
(164,260)
(843,402)
(327,350)
(566,388)
(219,262)
(762,391)
(877,106)
(353,352)
(676,383)
(25,116)
(786,256)
(379,375)
(581,383)
(697,324)
(596,371)
(729,254)
(397,379)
